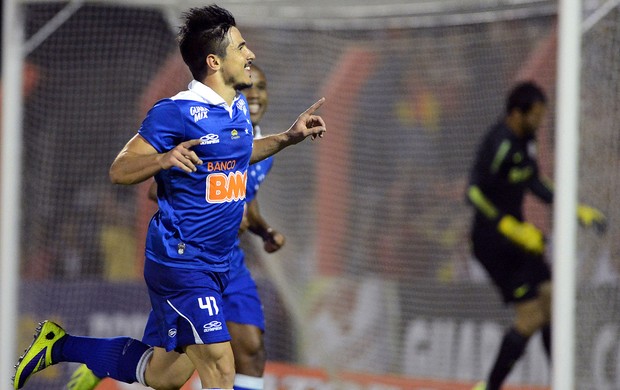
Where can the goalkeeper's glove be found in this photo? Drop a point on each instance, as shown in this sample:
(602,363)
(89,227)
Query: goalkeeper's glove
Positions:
(591,217)
(524,234)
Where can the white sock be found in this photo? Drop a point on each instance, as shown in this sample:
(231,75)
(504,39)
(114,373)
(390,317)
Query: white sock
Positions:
(249,382)
(141,368)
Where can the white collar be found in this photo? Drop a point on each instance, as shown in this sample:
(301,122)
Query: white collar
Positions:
(208,94)
(257,133)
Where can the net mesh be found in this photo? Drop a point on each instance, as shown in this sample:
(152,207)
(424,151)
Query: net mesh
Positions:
(597,306)
(376,275)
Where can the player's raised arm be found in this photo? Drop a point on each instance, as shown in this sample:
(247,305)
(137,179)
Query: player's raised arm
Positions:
(307,125)
(139,160)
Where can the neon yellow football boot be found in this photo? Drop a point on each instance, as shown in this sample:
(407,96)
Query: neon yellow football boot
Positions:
(480,386)
(83,379)
(39,354)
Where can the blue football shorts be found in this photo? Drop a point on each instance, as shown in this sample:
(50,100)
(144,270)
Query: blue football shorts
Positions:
(242,303)
(187,307)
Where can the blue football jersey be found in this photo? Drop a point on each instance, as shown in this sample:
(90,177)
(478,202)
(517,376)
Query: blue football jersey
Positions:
(257,173)
(200,212)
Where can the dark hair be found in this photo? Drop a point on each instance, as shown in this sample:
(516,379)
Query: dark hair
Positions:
(523,96)
(204,32)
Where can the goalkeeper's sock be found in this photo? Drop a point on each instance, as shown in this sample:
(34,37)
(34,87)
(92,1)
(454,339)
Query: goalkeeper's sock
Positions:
(546,339)
(510,351)
(246,382)
(117,358)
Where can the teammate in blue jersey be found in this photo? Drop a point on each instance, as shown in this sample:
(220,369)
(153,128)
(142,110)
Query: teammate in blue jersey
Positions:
(512,250)
(198,145)
(244,313)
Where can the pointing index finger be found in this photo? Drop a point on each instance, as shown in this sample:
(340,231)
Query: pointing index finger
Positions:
(315,106)
(192,142)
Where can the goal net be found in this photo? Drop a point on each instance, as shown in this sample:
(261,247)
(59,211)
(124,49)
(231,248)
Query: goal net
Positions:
(375,287)
(598,351)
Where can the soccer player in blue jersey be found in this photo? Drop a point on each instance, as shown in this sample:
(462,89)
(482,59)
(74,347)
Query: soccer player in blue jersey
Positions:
(512,250)
(244,313)
(198,146)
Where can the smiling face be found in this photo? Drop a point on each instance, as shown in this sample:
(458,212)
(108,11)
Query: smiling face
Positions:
(257,95)
(236,65)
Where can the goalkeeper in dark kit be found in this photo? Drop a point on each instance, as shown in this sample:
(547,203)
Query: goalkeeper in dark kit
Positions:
(511,250)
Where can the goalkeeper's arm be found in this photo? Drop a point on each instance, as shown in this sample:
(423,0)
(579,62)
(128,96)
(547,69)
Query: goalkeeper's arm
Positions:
(523,234)
(588,216)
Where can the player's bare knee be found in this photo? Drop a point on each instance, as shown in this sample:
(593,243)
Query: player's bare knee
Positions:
(251,363)
(252,345)
(530,317)
(545,290)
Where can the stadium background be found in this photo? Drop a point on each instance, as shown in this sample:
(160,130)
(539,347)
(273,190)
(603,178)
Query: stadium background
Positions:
(376,287)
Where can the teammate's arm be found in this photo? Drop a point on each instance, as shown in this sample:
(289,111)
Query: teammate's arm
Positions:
(272,239)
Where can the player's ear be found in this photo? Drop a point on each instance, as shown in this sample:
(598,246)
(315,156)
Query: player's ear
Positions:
(213,62)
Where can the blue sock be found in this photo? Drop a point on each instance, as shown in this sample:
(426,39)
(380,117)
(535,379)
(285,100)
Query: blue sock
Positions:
(116,358)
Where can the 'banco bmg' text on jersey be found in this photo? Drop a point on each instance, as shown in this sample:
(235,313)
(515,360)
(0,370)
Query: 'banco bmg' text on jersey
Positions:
(183,233)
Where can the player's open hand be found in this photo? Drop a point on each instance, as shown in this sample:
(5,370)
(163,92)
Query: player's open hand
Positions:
(182,157)
(307,124)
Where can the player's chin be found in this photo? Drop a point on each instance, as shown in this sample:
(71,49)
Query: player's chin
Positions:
(243,85)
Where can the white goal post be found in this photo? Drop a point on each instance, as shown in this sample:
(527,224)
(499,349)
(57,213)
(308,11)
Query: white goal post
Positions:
(12,61)
(565,204)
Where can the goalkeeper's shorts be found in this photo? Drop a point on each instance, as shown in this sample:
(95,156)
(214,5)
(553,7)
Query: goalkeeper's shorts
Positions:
(516,273)
(187,307)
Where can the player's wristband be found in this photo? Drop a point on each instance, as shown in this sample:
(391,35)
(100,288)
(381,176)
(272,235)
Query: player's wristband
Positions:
(267,234)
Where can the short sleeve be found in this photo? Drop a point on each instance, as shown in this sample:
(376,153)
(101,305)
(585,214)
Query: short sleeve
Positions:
(163,126)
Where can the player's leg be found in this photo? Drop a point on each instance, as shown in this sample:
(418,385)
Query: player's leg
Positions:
(106,357)
(514,341)
(215,364)
(523,281)
(164,371)
(529,290)
(246,323)
(187,307)
(168,370)
(530,316)
(249,351)
(545,293)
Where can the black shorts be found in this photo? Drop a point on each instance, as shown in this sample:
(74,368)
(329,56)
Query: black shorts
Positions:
(516,273)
